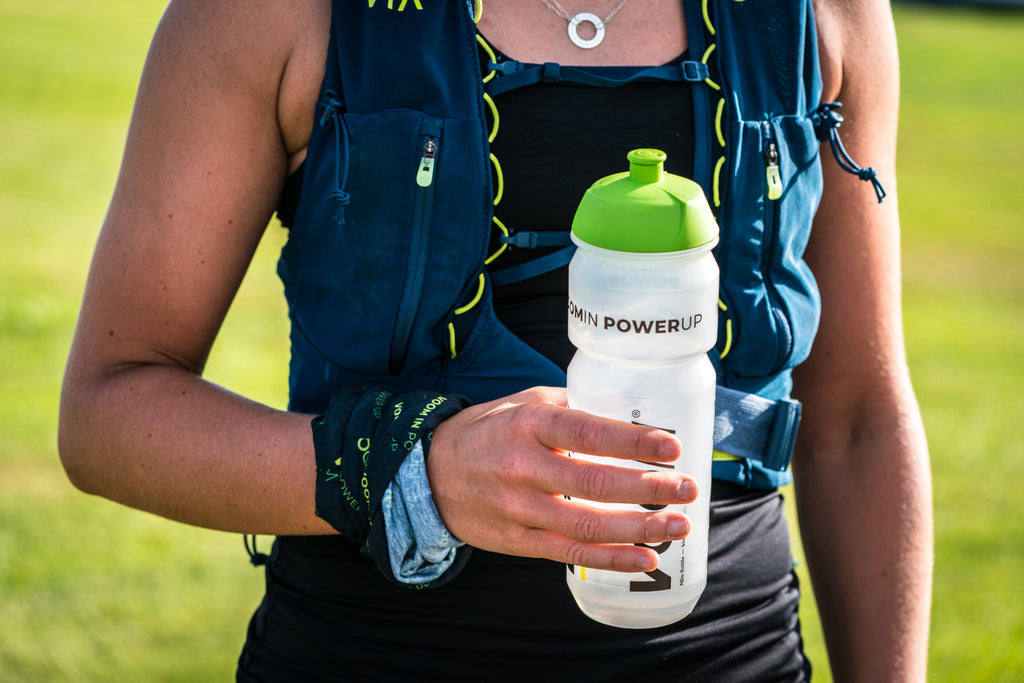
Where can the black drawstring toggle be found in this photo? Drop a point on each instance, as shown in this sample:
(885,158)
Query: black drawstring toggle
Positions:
(257,558)
(826,120)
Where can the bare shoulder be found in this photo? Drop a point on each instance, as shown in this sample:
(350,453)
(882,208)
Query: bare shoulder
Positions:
(224,107)
(854,37)
(270,53)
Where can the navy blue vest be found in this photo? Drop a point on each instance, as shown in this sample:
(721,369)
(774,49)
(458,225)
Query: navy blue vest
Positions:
(384,268)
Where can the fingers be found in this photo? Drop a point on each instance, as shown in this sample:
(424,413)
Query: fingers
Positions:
(498,473)
(620,558)
(580,432)
(589,524)
(580,478)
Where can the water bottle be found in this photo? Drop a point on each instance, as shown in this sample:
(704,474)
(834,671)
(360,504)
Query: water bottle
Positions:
(643,307)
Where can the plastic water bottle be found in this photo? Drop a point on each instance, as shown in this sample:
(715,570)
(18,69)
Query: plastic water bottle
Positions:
(643,306)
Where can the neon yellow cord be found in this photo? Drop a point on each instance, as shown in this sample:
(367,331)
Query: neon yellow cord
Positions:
(718,121)
(718,173)
(501,179)
(451,339)
(476,299)
(490,53)
(728,329)
(494,113)
(704,60)
(707,17)
(479,11)
(501,249)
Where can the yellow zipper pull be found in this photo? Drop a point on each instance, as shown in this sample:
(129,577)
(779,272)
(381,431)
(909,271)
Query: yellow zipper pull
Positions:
(425,175)
(772,171)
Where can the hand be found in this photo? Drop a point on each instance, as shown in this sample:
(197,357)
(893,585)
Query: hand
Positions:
(498,472)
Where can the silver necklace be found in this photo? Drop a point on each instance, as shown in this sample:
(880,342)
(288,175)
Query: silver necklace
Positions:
(576,19)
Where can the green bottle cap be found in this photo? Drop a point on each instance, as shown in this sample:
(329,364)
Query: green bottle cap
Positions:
(645,210)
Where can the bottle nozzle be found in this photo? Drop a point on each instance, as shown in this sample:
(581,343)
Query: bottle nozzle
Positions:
(646,165)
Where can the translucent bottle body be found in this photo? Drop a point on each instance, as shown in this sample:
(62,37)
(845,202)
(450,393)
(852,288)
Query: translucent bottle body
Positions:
(677,396)
(643,324)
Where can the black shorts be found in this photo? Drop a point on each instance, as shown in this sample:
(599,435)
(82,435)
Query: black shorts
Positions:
(327,616)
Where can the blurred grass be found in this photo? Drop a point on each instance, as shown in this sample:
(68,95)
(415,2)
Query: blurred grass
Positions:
(93,591)
(962,202)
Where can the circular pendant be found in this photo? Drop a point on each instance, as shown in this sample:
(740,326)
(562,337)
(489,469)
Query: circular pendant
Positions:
(574,34)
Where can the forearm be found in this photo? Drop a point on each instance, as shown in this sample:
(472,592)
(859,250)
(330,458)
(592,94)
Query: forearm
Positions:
(162,439)
(865,515)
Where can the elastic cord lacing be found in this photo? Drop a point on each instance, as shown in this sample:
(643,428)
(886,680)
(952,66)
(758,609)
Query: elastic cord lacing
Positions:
(257,558)
(826,127)
(332,117)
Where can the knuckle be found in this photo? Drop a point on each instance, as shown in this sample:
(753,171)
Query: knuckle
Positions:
(510,507)
(665,489)
(528,418)
(588,527)
(576,553)
(653,528)
(587,435)
(595,482)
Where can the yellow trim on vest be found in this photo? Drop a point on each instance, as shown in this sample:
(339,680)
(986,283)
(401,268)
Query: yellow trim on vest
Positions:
(504,231)
(718,122)
(451,339)
(494,113)
(704,60)
(728,330)
(718,173)
(501,179)
(707,17)
(490,53)
(476,299)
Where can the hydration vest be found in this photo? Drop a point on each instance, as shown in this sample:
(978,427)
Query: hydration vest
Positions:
(384,269)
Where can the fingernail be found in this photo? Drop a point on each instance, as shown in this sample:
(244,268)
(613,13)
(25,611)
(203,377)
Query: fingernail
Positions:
(678,528)
(687,489)
(670,448)
(646,563)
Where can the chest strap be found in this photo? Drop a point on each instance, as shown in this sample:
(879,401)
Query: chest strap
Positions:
(517,75)
(754,439)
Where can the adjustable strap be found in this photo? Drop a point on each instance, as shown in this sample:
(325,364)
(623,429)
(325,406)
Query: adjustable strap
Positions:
(524,239)
(538,266)
(754,439)
(517,75)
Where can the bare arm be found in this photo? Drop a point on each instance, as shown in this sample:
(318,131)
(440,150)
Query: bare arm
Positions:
(225,105)
(203,166)
(862,475)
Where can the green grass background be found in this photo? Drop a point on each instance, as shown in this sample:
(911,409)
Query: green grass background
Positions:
(92,591)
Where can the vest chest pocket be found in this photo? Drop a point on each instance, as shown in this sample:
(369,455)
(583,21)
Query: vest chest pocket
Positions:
(360,244)
(772,299)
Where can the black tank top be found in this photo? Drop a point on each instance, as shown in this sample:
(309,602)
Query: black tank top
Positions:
(553,142)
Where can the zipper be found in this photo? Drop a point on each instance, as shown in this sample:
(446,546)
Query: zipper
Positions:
(418,239)
(425,176)
(773,176)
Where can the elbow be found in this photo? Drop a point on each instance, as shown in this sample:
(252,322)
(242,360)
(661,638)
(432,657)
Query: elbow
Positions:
(73,459)
(72,443)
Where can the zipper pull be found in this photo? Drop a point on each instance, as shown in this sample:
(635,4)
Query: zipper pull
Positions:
(771,157)
(425,176)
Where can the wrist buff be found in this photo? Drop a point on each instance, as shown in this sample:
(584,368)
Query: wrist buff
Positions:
(360,442)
